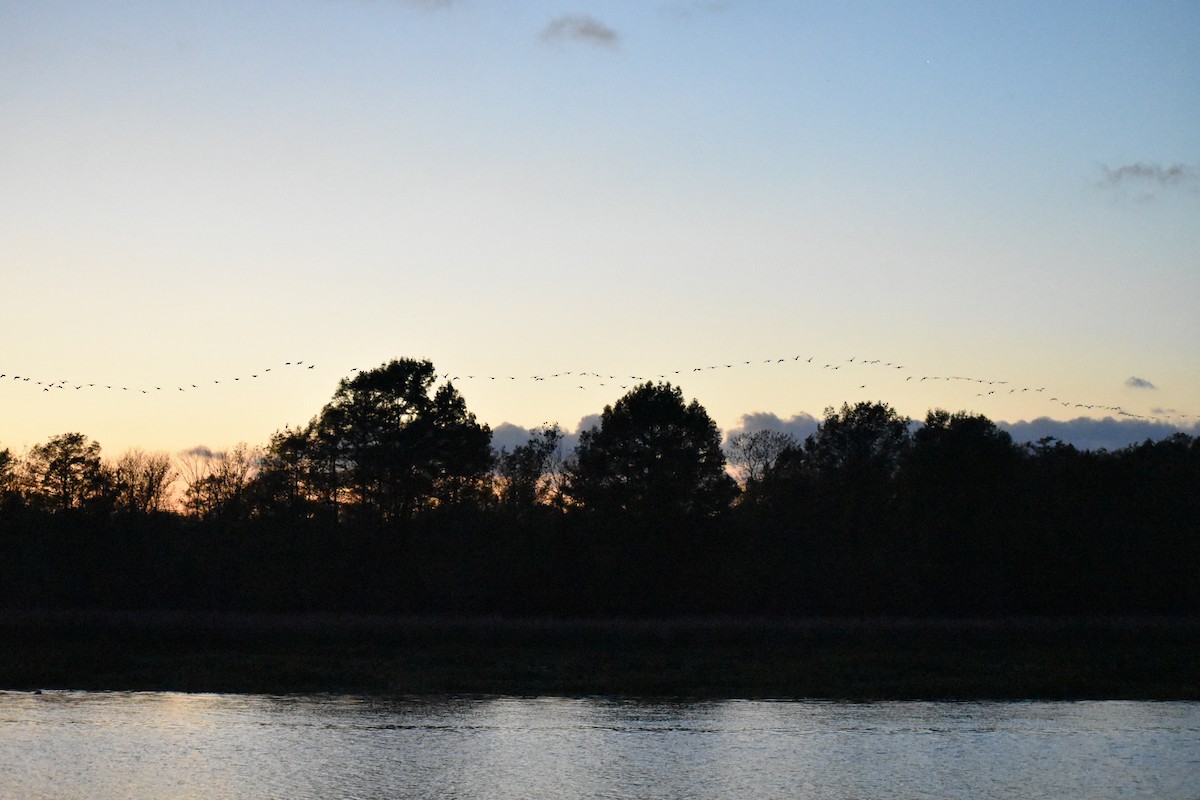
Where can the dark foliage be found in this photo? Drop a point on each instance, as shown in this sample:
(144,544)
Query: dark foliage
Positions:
(652,455)
(390,501)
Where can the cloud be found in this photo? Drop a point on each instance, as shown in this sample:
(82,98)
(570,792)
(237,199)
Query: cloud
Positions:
(1085,433)
(1145,179)
(1094,434)
(579,28)
(200,451)
(1139,383)
(588,422)
(799,426)
(507,436)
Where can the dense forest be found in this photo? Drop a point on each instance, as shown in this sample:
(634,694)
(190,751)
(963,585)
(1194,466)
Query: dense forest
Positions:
(392,500)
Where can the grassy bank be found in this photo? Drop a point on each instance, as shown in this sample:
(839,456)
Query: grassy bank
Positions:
(724,657)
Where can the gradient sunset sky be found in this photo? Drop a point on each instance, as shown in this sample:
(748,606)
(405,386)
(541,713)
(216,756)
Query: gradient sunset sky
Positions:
(196,192)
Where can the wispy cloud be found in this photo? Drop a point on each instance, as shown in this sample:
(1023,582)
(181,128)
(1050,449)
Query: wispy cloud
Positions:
(579,28)
(1139,383)
(1147,179)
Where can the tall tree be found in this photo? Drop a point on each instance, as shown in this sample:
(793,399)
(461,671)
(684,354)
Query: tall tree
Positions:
(9,489)
(218,482)
(863,442)
(142,481)
(961,489)
(393,443)
(753,453)
(652,454)
(67,473)
(849,474)
(291,481)
(531,474)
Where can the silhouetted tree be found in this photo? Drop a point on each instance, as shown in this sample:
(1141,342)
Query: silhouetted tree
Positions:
(860,443)
(531,475)
(389,444)
(752,453)
(652,453)
(67,473)
(962,496)
(217,483)
(290,480)
(141,481)
(832,507)
(1154,514)
(9,488)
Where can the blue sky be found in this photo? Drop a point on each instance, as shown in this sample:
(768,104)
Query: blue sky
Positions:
(199,192)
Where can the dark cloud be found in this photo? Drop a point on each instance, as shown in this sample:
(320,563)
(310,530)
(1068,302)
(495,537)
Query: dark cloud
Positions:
(1094,434)
(200,451)
(588,422)
(1084,433)
(579,28)
(799,426)
(1145,179)
(1139,383)
(507,436)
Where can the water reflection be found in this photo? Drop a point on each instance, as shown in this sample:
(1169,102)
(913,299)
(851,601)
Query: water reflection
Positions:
(132,745)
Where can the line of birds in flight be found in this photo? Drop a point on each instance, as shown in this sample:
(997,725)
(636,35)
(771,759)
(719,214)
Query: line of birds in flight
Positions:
(48,386)
(988,387)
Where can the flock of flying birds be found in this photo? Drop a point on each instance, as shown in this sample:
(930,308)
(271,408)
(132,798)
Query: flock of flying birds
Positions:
(987,387)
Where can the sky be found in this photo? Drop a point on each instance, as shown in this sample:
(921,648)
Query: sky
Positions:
(988,207)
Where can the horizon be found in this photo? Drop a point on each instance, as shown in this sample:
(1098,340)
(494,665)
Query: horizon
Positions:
(1100,427)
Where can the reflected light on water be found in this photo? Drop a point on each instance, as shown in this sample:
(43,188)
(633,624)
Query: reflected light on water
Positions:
(145,745)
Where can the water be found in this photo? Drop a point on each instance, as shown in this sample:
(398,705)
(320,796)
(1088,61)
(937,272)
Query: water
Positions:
(67,745)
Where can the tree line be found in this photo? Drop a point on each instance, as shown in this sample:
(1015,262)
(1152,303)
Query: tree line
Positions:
(391,499)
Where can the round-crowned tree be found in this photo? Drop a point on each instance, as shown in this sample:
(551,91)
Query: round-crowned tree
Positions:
(390,443)
(67,473)
(652,454)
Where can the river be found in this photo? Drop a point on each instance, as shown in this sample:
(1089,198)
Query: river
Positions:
(98,745)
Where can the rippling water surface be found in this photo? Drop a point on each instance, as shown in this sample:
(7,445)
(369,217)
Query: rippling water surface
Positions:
(159,745)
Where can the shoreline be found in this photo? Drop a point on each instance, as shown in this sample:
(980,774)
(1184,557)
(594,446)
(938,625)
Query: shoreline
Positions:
(1067,658)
